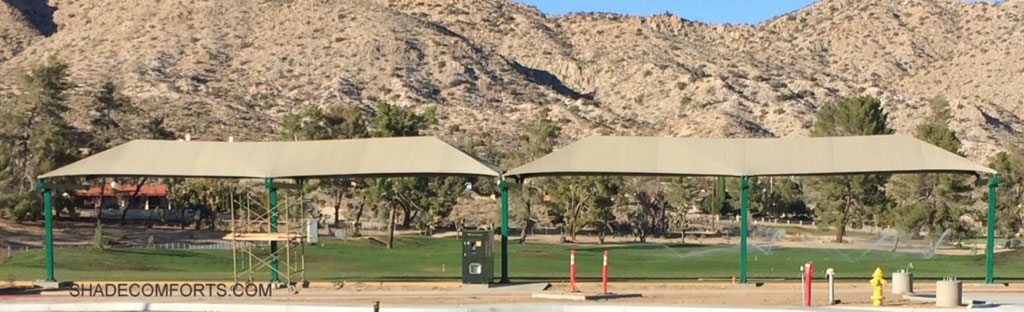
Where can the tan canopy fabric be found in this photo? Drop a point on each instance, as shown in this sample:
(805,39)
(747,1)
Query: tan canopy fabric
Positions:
(402,156)
(747,157)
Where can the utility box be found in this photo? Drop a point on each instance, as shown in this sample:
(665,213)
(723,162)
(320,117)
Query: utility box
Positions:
(312,230)
(477,257)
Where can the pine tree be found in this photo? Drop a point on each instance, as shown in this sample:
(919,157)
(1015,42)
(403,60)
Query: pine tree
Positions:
(1010,193)
(771,196)
(681,193)
(932,202)
(108,110)
(155,129)
(35,137)
(844,200)
(790,197)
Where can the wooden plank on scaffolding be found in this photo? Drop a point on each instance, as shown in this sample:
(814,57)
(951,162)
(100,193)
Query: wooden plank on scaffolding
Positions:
(262,236)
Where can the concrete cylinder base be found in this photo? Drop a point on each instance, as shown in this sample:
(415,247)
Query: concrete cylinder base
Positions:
(948,294)
(902,283)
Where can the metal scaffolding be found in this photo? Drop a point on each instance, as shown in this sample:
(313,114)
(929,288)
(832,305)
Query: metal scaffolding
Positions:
(259,225)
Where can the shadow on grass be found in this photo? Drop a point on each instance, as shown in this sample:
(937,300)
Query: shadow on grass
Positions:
(158,252)
(1013,256)
(637,246)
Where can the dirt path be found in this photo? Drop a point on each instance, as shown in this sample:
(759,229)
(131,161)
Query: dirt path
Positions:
(66,233)
(398,294)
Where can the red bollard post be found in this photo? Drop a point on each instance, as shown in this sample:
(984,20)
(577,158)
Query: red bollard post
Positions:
(604,273)
(808,269)
(572,270)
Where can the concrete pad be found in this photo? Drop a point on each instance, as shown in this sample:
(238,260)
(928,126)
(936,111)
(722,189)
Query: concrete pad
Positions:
(52,285)
(476,287)
(990,286)
(585,297)
(511,287)
(745,285)
(1014,299)
(931,298)
(81,307)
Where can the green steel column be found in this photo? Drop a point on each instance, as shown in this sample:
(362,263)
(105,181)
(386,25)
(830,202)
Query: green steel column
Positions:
(504,230)
(744,184)
(272,202)
(990,247)
(48,240)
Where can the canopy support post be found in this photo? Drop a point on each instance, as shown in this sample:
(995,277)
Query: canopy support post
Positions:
(48,220)
(744,184)
(504,230)
(990,245)
(272,203)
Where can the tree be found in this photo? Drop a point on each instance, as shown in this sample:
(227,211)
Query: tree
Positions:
(648,208)
(718,203)
(155,129)
(842,200)
(441,195)
(681,193)
(769,197)
(379,195)
(206,197)
(424,202)
(34,136)
(334,122)
(789,197)
(314,123)
(758,195)
(481,145)
(601,206)
(98,242)
(579,201)
(107,113)
(540,139)
(1010,193)
(397,121)
(932,202)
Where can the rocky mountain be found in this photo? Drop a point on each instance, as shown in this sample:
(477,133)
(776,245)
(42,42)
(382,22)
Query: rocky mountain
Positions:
(16,27)
(233,67)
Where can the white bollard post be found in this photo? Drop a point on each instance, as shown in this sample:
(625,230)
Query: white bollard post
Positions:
(830,273)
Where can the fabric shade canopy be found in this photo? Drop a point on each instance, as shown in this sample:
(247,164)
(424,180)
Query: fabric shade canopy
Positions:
(747,157)
(401,156)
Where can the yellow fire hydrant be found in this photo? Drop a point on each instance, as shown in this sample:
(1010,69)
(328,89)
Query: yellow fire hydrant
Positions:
(877,280)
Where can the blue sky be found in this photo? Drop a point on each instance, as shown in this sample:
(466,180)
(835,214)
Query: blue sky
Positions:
(708,11)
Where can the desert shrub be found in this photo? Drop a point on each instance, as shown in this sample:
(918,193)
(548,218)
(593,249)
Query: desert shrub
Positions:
(98,241)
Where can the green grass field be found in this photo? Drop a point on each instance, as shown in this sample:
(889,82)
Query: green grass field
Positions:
(423,258)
